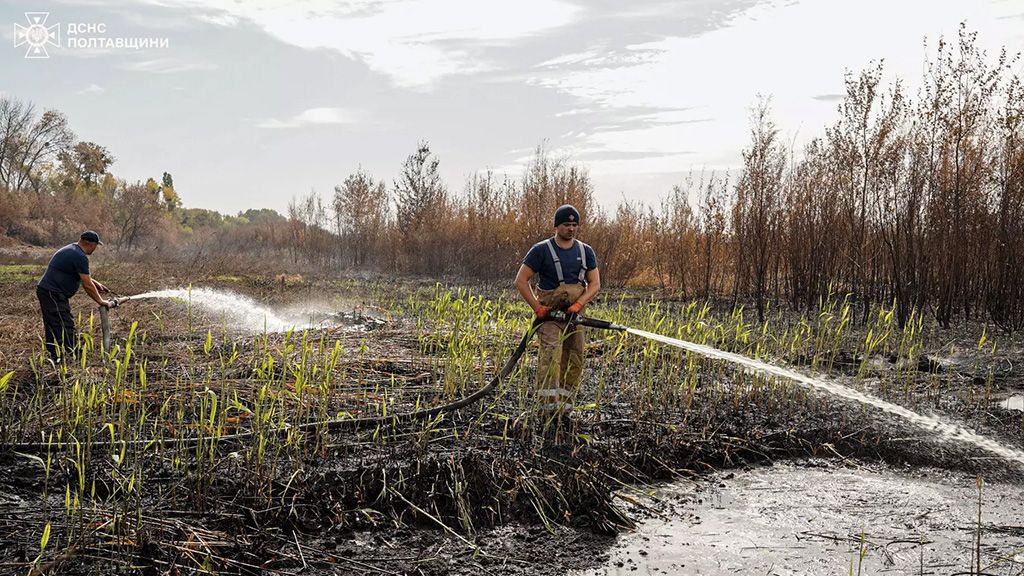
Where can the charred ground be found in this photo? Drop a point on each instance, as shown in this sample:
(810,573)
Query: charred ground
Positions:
(480,490)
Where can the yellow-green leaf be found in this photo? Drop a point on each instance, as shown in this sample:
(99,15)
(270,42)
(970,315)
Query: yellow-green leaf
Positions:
(5,380)
(45,539)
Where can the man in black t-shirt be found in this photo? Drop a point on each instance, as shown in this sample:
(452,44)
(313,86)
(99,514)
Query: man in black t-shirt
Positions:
(67,270)
(568,279)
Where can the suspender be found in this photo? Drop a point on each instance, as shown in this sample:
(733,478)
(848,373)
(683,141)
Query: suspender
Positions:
(583,263)
(558,263)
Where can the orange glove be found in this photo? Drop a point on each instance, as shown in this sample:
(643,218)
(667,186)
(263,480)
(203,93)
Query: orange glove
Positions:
(542,311)
(576,307)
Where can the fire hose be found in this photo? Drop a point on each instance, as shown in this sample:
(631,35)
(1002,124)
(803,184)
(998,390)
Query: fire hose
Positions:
(105,319)
(333,424)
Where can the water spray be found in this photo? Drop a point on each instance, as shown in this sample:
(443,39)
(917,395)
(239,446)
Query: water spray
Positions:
(946,431)
(244,311)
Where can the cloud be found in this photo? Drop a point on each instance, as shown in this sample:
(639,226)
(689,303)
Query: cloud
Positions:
(168,66)
(602,58)
(312,116)
(782,50)
(416,43)
(219,19)
(92,89)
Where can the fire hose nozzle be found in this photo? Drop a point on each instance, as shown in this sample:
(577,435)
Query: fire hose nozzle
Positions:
(115,302)
(579,319)
(602,324)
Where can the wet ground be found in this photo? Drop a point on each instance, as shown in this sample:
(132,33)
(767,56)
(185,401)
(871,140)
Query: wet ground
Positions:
(811,517)
(797,517)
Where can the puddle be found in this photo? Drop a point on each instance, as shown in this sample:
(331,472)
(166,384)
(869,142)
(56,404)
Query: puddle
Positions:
(790,519)
(1013,402)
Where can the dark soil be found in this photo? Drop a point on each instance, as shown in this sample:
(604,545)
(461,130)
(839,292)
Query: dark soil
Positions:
(506,498)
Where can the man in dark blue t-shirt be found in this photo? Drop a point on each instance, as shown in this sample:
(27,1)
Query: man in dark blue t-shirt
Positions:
(568,279)
(68,268)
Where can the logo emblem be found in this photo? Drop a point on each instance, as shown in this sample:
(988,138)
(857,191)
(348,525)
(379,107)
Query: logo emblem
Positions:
(37,35)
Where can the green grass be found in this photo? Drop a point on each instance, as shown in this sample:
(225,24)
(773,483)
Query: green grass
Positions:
(205,384)
(18,273)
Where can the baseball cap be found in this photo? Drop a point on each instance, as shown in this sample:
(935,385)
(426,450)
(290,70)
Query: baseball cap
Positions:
(90,236)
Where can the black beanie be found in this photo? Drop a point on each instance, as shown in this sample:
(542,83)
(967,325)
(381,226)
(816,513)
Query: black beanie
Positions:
(566,213)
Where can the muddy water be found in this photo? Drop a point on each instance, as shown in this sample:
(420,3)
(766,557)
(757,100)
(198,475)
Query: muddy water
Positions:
(794,519)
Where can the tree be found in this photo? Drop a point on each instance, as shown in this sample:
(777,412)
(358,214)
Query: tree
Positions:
(712,222)
(758,194)
(421,199)
(490,225)
(26,143)
(136,209)
(360,208)
(954,115)
(264,216)
(624,252)
(547,184)
(84,164)
(307,223)
(866,154)
(675,224)
(1005,294)
(196,218)
(811,224)
(170,196)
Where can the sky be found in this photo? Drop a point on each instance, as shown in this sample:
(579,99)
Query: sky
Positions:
(252,103)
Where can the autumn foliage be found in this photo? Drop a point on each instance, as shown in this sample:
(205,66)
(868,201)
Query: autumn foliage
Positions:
(914,201)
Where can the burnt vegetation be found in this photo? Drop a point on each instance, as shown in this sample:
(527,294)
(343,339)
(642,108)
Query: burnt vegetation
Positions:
(189,448)
(916,199)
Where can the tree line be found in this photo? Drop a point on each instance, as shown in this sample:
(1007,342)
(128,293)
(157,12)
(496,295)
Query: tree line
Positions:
(914,201)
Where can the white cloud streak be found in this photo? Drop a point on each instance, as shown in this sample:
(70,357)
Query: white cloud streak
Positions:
(413,42)
(311,117)
(793,52)
(92,89)
(168,66)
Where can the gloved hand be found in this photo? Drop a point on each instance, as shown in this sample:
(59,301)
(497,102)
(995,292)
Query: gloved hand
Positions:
(575,308)
(542,311)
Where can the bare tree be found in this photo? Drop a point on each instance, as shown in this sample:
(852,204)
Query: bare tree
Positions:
(956,110)
(757,209)
(491,226)
(26,142)
(712,226)
(1005,294)
(307,222)
(676,225)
